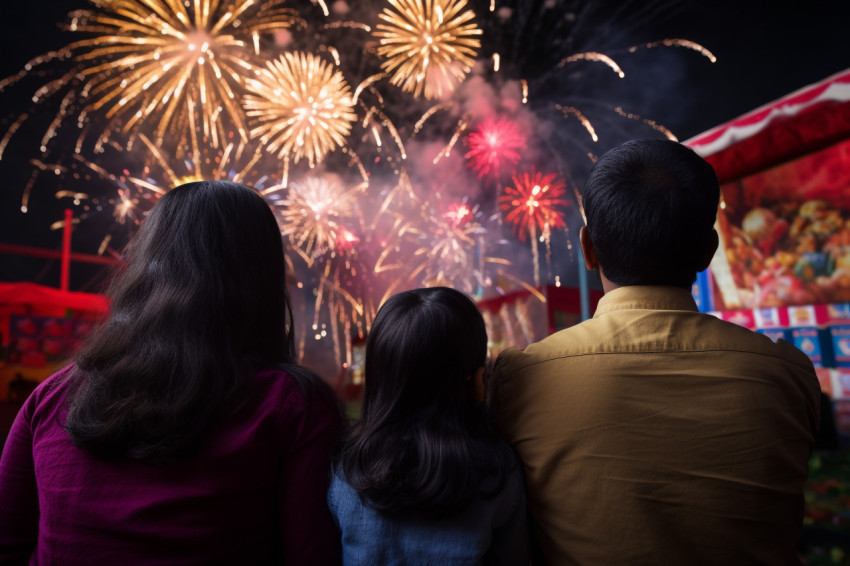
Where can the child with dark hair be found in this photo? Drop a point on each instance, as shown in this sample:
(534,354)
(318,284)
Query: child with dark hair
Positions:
(422,478)
(184,433)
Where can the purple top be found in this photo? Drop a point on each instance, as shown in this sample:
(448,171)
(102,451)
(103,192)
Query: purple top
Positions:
(254,494)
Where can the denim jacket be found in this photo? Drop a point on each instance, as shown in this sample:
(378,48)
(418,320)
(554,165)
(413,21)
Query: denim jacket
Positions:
(490,531)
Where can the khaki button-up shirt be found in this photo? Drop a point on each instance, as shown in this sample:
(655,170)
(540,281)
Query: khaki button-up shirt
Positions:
(655,434)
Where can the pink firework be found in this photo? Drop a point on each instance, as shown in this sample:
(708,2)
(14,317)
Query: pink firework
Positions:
(532,203)
(346,240)
(459,213)
(496,143)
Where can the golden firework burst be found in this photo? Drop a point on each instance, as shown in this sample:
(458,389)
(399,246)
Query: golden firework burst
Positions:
(179,65)
(300,106)
(428,46)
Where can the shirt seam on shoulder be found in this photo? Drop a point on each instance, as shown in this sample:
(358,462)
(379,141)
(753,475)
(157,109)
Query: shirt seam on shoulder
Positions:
(703,351)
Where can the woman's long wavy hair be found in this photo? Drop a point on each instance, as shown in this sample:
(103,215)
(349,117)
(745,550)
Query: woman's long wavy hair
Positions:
(423,445)
(199,302)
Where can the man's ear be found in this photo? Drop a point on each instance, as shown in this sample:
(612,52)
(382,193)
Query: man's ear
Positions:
(709,251)
(587,249)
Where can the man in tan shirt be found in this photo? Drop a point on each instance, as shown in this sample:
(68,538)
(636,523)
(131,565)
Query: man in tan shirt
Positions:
(652,433)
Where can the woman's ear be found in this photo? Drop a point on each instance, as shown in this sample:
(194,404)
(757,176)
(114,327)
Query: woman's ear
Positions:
(478,385)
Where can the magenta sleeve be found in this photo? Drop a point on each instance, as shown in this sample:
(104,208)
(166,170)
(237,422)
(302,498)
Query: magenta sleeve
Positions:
(19,510)
(307,529)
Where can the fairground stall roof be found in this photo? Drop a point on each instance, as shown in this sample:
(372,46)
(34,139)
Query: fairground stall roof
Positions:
(804,121)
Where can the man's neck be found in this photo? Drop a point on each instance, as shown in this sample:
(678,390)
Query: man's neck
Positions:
(607,284)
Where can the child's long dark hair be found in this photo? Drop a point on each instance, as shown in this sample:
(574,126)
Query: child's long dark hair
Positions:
(200,299)
(423,446)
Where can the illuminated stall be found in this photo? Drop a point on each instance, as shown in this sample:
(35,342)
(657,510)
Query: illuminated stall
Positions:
(40,327)
(783,267)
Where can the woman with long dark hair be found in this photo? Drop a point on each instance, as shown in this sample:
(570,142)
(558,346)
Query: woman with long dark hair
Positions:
(422,478)
(184,433)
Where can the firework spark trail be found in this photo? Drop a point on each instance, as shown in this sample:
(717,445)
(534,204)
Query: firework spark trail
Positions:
(322,5)
(651,123)
(210,164)
(355,161)
(428,113)
(673,42)
(342,307)
(569,110)
(347,290)
(11,132)
(494,145)
(403,190)
(51,131)
(594,56)
(37,61)
(366,83)
(388,124)
(428,46)
(39,167)
(149,61)
(347,24)
(300,106)
(462,124)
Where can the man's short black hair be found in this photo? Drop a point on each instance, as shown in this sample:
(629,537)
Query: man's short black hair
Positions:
(650,207)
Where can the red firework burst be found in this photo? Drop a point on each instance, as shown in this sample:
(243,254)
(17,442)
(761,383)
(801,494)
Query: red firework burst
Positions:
(531,203)
(495,143)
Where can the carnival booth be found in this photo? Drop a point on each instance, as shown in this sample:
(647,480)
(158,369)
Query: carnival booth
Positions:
(41,327)
(783,267)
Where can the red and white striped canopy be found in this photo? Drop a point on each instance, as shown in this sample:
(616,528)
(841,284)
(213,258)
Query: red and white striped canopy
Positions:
(809,119)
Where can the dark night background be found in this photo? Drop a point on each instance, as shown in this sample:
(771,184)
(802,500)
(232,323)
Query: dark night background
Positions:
(765,49)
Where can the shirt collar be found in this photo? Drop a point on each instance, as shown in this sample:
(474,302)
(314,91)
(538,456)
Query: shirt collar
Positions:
(646,297)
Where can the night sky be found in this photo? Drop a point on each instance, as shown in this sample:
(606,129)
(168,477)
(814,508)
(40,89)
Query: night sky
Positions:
(765,49)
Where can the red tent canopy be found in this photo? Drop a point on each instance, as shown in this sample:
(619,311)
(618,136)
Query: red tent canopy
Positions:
(784,175)
(804,121)
(47,298)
